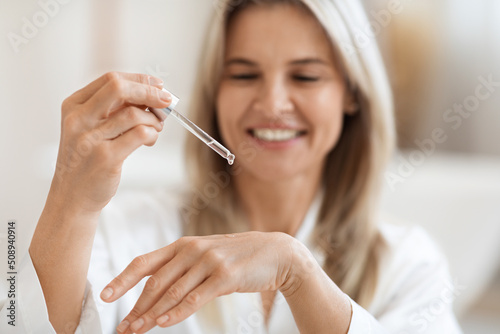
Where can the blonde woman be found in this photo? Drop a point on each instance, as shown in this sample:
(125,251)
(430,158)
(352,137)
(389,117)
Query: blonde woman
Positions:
(284,241)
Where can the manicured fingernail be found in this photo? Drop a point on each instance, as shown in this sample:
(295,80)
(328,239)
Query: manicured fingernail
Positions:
(154,81)
(137,324)
(106,293)
(165,96)
(123,326)
(163,319)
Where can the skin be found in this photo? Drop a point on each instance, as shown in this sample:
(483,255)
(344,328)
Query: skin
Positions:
(276,186)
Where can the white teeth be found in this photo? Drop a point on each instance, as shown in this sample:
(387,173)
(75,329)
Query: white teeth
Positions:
(275,134)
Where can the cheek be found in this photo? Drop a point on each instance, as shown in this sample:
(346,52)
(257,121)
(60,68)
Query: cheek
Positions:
(327,123)
(229,110)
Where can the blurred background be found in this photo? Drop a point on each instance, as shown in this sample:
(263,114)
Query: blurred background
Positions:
(442,57)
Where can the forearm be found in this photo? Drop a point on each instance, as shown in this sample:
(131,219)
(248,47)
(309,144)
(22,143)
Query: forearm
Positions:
(317,303)
(60,252)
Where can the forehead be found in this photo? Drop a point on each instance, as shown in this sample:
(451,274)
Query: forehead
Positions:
(279,32)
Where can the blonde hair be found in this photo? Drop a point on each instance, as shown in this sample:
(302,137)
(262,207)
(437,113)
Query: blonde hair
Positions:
(346,228)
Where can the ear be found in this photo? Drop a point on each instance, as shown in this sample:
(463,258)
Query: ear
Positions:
(351,105)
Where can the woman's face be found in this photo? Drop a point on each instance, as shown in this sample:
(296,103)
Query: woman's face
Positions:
(280,100)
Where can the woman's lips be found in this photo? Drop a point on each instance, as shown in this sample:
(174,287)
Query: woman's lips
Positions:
(275,135)
(276,138)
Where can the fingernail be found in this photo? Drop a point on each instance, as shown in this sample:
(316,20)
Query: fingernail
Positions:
(154,81)
(106,293)
(163,319)
(137,324)
(165,96)
(123,326)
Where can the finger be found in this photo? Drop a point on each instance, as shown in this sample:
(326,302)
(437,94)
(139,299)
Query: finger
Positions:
(160,114)
(131,140)
(173,296)
(140,267)
(205,292)
(126,119)
(156,286)
(82,95)
(118,93)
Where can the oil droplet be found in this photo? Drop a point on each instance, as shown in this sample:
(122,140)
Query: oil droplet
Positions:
(230,159)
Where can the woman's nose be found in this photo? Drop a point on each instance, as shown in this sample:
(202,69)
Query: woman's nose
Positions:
(275,98)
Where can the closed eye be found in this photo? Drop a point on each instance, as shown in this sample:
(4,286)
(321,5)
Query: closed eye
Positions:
(305,78)
(244,76)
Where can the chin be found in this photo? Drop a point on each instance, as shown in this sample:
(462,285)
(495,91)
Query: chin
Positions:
(274,169)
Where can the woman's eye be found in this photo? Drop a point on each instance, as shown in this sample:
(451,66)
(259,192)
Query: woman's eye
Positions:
(244,76)
(306,78)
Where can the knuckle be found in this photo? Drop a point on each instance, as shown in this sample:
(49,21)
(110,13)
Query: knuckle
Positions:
(214,256)
(71,122)
(143,132)
(174,293)
(177,313)
(135,313)
(153,283)
(193,299)
(111,76)
(142,78)
(138,92)
(152,92)
(194,246)
(116,86)
(130,114)
(153,314)
(139,262)
(152,139)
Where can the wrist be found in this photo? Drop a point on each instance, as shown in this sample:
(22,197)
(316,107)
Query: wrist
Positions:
(303,268)
(64,202)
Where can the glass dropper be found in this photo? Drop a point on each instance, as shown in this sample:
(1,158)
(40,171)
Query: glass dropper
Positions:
(193,128)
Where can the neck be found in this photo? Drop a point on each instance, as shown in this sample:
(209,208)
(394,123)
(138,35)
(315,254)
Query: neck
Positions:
(277,206)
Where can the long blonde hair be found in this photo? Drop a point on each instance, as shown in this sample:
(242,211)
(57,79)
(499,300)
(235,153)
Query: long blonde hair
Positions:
(345,230)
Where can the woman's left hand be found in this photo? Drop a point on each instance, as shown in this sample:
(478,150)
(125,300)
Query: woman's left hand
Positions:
(192,271)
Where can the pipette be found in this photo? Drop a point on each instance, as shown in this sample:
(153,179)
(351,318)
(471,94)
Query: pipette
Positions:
(193,128)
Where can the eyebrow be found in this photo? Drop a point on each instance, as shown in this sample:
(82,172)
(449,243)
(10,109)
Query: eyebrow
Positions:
(305,61)
(240,61)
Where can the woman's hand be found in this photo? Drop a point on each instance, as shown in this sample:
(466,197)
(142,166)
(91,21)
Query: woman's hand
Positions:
(192,271)
(101,125)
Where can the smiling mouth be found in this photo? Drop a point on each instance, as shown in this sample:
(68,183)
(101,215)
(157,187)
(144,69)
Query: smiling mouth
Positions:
(276,135)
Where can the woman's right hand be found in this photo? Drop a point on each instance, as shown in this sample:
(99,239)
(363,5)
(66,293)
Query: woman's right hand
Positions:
(101,125)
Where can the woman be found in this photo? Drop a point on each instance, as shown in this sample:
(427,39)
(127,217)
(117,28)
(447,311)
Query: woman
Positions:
(311,128)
